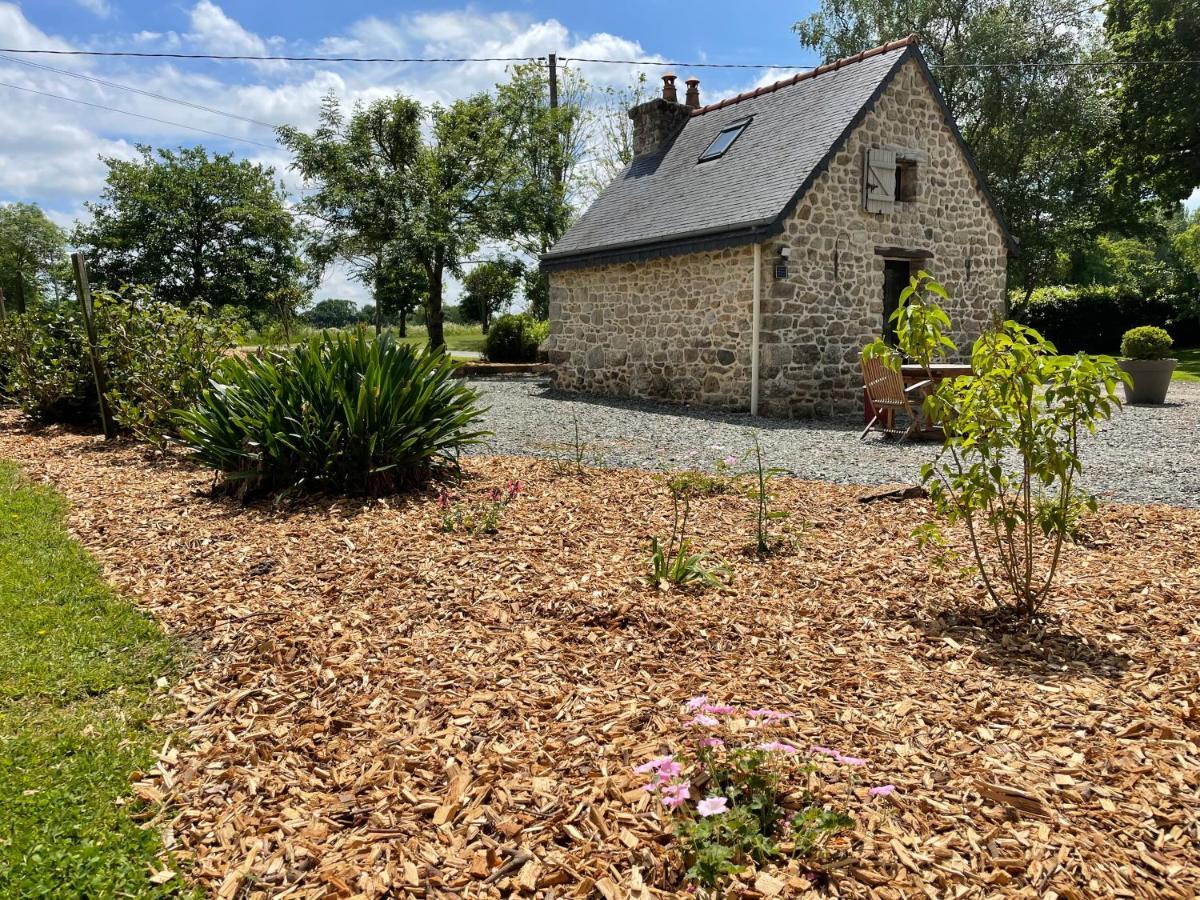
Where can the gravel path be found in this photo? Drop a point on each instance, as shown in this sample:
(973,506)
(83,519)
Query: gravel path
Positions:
(1146,455)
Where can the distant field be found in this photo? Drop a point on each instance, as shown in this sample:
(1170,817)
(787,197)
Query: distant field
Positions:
(1189,365)
(459,338)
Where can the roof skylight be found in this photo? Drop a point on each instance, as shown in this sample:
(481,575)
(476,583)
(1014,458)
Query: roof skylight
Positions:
(723,141)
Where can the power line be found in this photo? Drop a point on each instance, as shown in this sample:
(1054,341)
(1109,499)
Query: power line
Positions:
(247,58)
(228,137)
(144,93)
(563,59)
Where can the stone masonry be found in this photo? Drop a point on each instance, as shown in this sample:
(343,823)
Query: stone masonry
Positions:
(679,327)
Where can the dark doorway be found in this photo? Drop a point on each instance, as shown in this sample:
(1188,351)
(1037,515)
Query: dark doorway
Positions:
(896,275)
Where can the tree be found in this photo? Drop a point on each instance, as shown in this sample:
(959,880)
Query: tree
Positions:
(195,227)
(610,135)
(402,289)
(1033,129)
(332,312)
(1156,138)
(384,184)
(488,288)
(33,254)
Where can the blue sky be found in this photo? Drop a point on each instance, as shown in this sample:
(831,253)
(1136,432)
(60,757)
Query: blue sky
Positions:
(49,148)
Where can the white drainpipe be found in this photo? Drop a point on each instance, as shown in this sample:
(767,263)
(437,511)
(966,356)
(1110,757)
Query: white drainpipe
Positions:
(755,327)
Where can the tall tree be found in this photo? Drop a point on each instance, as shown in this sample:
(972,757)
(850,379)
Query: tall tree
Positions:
(33,253)
(195,227)
(1032,117)
(609,136)
(1156,139)
(488,288)
(385,184)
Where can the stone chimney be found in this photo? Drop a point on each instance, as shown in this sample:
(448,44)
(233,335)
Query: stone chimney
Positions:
(693,92)
(656,122)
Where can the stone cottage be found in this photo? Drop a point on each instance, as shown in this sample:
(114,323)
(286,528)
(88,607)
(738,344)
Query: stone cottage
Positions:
(753,246)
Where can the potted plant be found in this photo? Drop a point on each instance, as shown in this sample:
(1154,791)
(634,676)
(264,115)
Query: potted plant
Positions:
(1145,360)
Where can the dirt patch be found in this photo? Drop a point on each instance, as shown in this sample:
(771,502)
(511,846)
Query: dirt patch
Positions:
(377,706)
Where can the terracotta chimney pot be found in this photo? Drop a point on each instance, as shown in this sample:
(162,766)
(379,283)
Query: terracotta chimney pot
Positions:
(693,93)
(669,93)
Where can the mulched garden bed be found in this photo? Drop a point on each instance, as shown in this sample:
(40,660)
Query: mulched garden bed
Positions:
(376,706)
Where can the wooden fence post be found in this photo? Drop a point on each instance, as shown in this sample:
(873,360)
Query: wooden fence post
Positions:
(84,290)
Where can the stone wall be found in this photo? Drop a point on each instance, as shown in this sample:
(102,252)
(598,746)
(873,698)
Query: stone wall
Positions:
(679,327)
(676,328)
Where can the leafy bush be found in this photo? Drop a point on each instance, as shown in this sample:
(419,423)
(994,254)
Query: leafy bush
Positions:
(751,775)
(515,339)
(46,365)
(342,413)
(1090,318)
(1146,342)
(1010,461)
(157,358)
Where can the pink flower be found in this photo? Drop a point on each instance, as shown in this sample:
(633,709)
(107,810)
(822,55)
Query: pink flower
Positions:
(712,742)
(706,721)
(850,760)
(443,500)
(712,806)
(675,794)
(720,709)
(730,460)
(653,765)
(651,787)
(882,790)
(824,751)
(778,747)
(669,770)
(771,715)
(697,702)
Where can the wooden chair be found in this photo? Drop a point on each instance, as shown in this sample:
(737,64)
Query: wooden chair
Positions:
(888,395)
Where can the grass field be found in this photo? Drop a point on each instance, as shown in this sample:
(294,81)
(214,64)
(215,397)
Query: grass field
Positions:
(78,667)
(459,338)
(1189,365)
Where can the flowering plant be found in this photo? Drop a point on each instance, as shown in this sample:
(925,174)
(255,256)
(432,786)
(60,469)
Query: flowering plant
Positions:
(481,517)
(738,797)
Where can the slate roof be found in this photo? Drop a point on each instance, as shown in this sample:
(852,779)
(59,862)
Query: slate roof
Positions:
(667,203)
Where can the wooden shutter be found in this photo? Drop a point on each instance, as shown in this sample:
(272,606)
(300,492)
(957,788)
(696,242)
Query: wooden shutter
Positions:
(879,180)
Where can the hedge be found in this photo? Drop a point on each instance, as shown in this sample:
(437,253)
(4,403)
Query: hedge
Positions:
(1093,318)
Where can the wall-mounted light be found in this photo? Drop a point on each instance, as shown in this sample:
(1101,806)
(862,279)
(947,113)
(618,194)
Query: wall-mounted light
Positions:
(781,267)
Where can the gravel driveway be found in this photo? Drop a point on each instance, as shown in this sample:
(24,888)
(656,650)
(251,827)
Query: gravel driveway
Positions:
(1146,455)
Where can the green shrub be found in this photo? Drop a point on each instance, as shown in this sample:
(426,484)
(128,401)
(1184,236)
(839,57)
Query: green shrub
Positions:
(157,358)
(1089,318)
(515,338)
(343,413)
(1146,342)
(46,368)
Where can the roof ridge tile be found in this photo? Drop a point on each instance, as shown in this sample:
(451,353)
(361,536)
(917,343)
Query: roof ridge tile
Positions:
(909,41)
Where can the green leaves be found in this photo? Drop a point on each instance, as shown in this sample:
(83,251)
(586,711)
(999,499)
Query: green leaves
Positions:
(342,413)
(1010,462)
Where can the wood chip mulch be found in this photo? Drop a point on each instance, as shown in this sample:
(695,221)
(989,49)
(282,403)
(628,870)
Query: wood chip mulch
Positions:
(375,708)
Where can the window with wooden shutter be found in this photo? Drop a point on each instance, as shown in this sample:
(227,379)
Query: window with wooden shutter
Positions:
(879,180)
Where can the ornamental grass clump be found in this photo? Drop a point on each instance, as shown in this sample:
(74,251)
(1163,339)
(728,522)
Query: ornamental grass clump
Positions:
(672,562)
(344,413)
(746,794)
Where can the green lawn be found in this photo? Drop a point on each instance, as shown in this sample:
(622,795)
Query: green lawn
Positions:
(1189,365)
(78,667)
(459,338)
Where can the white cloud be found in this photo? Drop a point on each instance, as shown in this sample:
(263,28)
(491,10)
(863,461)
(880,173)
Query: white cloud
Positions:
(100,8)
(49,149)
